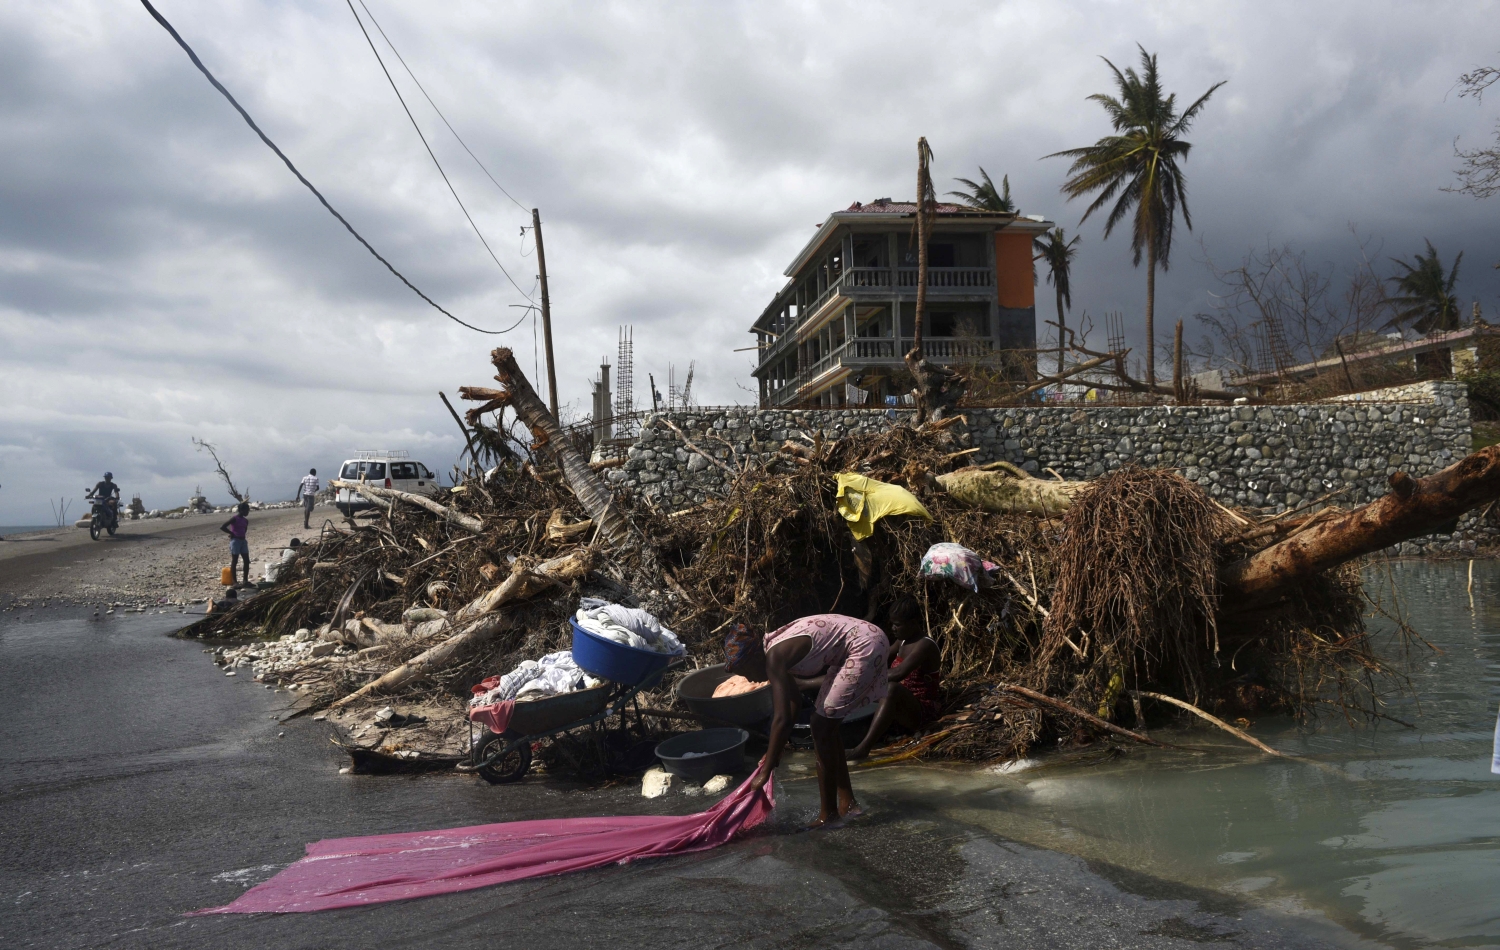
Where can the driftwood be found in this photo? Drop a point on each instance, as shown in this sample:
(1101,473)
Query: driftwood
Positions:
(559,530)
(384,497)
(1002,487)
(1237,733)
(1414,506)
(596,497)
(481,621)
(1072,710)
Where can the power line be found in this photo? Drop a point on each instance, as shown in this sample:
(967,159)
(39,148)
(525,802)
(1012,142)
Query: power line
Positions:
(293,168)
(430,153)
(439,111)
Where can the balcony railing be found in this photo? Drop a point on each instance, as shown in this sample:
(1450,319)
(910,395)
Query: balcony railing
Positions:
(865,351)
(957,277)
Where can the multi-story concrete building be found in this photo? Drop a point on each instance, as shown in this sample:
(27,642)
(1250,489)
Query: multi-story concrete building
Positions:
(837,332)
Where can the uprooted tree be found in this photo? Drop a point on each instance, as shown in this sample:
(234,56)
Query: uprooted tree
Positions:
(1135,588)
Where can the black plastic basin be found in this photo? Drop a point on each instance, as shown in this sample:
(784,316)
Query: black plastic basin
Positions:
(721,752)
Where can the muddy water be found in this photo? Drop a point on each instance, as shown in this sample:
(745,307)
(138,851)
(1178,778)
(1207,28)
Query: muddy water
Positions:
(1400,845)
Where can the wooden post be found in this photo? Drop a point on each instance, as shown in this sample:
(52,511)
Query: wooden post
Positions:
(541,263)
(1177,364)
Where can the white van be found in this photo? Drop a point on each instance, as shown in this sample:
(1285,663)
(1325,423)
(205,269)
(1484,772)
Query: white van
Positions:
(389,469)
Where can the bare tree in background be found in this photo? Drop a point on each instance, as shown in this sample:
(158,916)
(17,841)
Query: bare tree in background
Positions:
(1316,311)
(223,472)
(1479,175)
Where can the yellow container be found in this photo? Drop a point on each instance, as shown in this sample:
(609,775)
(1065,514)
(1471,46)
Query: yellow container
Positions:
(226,576)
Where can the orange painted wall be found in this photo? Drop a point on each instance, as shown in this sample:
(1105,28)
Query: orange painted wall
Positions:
(1013,283)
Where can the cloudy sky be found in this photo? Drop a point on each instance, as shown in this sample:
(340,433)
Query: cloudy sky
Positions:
(162,275)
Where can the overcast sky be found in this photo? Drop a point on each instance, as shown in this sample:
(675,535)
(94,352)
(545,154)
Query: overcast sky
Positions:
(163,276)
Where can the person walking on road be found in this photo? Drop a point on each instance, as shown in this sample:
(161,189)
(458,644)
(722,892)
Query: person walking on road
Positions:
(309,489)
(239,545)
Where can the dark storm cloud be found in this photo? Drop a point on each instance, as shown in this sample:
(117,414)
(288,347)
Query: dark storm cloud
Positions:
(163,276)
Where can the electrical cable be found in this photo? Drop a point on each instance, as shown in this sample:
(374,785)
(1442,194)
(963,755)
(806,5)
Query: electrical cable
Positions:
(439,111)
(300,177)
(430,154)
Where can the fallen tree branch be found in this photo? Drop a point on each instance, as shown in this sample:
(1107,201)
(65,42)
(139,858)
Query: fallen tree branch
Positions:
(1090,718)
(482,621)
(1414,506)
(692,447)
(1237,733)
(384,496)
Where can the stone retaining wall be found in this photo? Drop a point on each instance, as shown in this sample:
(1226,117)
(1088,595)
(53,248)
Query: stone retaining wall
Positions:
(1270,457)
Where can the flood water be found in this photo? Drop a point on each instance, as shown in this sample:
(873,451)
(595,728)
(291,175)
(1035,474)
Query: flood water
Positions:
(1400,845)
(137,782)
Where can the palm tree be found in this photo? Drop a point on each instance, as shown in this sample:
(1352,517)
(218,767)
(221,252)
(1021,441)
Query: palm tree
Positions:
(1058,251)
(1137,167)
(984,196)
(1426,300)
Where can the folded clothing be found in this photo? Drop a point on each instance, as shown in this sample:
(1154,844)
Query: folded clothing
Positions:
(552,675)
(630,626)
(736,685)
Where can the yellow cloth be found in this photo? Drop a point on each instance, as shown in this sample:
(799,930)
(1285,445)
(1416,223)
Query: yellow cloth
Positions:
(863,501)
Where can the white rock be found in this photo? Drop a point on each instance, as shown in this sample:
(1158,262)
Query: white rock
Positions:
(323,649)
(717,784)
(302,635)
(656,783)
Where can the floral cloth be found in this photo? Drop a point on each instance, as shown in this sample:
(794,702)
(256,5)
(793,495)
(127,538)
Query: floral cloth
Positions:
(958,564)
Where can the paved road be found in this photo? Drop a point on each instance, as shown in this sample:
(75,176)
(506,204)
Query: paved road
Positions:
(67,562)
(137,782)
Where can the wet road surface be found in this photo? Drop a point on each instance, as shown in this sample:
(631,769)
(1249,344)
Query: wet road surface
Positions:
(137,782)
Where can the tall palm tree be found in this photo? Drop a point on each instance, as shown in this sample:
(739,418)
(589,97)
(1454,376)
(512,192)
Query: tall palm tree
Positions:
(1426,300)
(1137,167)
(1058,251)
(984,196)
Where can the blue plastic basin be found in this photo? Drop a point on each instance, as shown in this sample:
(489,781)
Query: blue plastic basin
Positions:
(616,662)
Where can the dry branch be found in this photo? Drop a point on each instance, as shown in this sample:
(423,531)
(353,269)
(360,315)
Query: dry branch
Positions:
(384,497)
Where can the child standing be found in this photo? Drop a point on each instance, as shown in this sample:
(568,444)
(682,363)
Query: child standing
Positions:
(239,547)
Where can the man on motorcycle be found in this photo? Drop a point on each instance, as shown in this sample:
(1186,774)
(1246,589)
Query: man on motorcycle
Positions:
(107,494)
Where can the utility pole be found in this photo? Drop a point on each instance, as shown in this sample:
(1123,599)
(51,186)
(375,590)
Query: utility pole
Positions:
(541,263)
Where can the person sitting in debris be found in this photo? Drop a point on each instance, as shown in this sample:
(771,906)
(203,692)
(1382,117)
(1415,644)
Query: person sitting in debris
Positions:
(915,697)
(288,555)
(239,545)
(851,655)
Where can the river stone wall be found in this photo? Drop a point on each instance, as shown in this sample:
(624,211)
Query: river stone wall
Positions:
(1270,457)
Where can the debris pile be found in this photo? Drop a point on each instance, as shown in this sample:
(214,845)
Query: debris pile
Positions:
(1098,595)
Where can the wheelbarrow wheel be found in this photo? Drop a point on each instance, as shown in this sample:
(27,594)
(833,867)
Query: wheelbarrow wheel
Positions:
(510,764)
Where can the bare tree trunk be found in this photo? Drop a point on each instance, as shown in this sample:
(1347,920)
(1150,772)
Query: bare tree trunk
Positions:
(1062,326)
(1150,314)
(1415,506)
(1177,391)
(596,497)
(468,522)
(914,358)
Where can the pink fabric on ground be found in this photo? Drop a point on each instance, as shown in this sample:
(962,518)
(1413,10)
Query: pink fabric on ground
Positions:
(495,715)
(351,872)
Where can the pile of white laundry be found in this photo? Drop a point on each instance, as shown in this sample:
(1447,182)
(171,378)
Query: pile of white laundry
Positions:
(552,675)
(628,625)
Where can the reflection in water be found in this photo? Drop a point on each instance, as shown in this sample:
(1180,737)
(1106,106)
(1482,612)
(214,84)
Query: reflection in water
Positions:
(1404,847)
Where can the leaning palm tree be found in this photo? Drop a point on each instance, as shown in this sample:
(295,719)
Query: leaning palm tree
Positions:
(1058,251)
(984,196)
(1137,167)
(1426,298)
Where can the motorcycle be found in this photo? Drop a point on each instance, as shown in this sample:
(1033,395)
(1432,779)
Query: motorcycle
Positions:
(104,517)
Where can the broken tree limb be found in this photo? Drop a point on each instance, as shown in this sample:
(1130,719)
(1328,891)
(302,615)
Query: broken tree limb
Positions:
(1237,733)
(1005,491)
(481,621)
(596,497)
(1105,724)
(386,495)
(1415,506)
(692,447)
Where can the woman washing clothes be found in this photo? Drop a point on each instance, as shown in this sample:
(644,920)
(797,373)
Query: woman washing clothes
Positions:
(851,655)
(915,696)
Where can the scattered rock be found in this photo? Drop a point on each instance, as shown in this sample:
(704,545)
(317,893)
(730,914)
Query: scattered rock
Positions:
(656,783)
(717,784)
